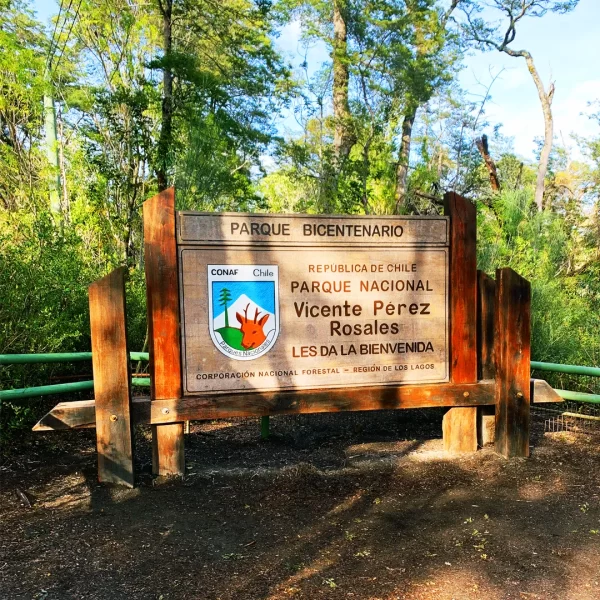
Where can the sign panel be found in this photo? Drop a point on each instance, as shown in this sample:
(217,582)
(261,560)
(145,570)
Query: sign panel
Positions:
(302,230)
(298,312)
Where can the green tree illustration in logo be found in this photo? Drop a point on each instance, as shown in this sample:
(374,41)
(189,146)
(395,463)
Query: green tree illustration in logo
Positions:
(224,298)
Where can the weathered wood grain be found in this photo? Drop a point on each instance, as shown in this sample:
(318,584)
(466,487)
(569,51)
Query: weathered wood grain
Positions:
(512,351)
(288,230)
(306,353)
(162,293)
(319,401)
(543,392)
(486,310)
(112,381)
(81,414)
(463,288)
(460,430)
(486,367)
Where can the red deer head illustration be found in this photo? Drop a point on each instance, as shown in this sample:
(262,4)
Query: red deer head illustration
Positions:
(252,329)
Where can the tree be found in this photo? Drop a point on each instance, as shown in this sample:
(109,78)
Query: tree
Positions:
(224,298)
(22,61)
(489,36)
(166,129)
(423,74)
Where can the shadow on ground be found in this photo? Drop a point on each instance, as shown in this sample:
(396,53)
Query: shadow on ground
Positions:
(362,506)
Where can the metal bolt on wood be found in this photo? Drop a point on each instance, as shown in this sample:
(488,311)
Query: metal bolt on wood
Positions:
(114,418)
(466,394)
(165,411)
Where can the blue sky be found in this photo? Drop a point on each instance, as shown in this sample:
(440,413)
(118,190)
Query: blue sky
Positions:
(565,48)
(261,293)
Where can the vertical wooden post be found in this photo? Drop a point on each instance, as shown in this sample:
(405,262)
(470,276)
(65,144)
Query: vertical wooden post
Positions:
(460,424)
(162,293)
(112,381)
(512,349)
(486,367)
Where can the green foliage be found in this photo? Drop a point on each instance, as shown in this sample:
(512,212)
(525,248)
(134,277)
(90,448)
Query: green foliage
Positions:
(542,248)
(44,277)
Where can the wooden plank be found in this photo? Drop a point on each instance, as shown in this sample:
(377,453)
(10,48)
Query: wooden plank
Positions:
(389,307)
(74,415)
(112,381)
(486,367)
(512,351)
(486,310)
(543,392)
(460,430)
(162,293)
(319,401)
(205,229)
(463,288)
(81,414)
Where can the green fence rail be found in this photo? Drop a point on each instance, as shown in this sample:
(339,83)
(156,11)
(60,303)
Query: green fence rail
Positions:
(61,388)
(78,386)
(30,359)
(569,369)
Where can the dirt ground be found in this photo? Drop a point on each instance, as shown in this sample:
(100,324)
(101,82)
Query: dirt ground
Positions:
(363,506)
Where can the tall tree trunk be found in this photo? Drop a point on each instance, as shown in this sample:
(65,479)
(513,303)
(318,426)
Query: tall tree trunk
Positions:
(66,209)
(412,107)
(403,156)
(344,137)
(546,101)
(166,130)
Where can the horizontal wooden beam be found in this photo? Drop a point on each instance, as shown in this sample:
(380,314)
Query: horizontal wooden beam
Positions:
(81,414)
(321,401)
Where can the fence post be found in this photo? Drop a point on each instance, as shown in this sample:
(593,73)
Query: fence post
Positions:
(162,293)
(512,353)
(460,424)
(486,308)
(112,379)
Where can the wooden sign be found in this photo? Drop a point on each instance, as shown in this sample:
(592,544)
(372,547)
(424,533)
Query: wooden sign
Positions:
(258,315)
(273,302)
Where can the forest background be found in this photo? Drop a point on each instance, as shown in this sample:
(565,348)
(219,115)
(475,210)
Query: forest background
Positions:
(119,99)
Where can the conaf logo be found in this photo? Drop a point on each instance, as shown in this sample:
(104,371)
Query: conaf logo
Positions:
(243,311)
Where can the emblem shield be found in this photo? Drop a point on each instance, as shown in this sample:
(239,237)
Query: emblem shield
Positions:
(243,309)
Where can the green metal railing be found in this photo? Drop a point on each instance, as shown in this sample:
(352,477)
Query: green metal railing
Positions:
(59,388)
(62,388)
(30,359)
(570,370)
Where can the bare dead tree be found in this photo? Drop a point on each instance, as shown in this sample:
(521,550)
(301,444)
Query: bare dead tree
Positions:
(487,36)
(482,146)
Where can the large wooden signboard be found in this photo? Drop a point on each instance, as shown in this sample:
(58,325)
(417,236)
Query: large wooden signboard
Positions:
(257,315)
(273,302)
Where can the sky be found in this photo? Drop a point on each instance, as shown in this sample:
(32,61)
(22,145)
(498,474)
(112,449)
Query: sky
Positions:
(565,49)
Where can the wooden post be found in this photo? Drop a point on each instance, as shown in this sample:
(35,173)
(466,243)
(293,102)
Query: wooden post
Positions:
(512,352)
(162,293)
(486,367)
(460,424)
(112,381)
